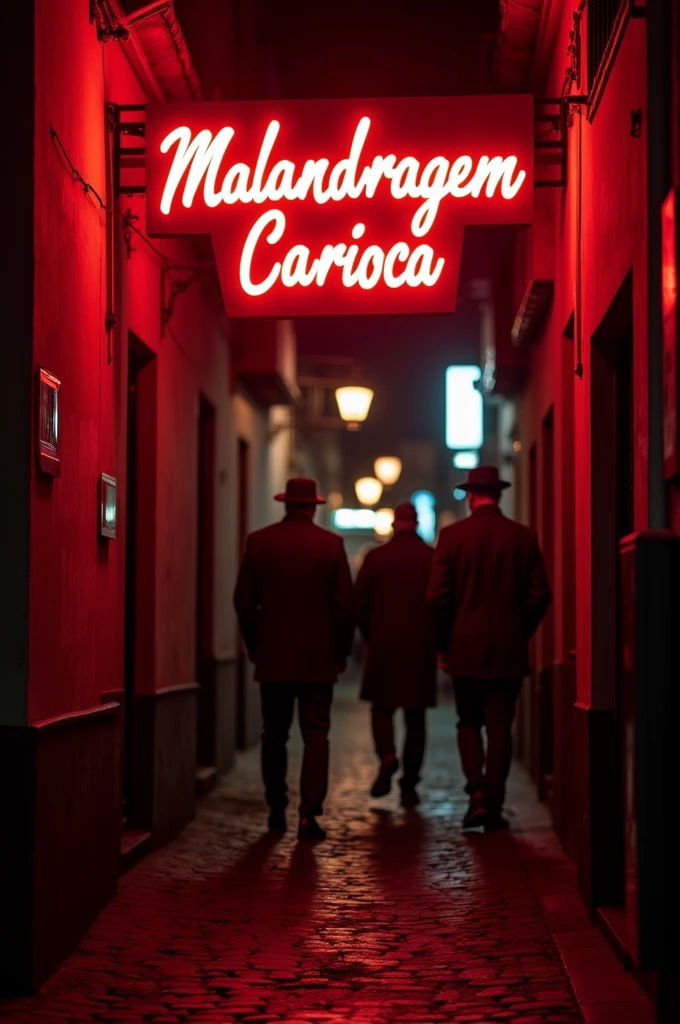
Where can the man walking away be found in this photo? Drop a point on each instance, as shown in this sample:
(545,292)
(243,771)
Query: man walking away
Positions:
(401,664)
(489,592)
(295,605)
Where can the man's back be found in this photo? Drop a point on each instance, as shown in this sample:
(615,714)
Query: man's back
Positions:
(392,603)
(294,601)
(395,619)
(489,591)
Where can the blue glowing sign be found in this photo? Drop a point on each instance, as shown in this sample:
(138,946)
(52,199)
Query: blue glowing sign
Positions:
(424,504)
(354,519)
(466,460)
(464,408)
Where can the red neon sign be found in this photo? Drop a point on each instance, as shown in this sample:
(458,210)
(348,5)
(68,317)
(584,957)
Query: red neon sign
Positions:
(339,206)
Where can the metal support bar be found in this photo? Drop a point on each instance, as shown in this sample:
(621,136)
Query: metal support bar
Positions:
(126,124)
(178,287)
(551,112)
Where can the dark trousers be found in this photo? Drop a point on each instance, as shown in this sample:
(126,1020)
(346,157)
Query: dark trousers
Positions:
(382,720)
(314,714)
(490,703)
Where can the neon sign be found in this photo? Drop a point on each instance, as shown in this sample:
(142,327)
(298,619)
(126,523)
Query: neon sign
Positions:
(339,206)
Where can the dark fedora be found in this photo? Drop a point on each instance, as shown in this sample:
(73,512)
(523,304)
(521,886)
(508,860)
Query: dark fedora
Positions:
(405,513)
(484,478)
(300,491)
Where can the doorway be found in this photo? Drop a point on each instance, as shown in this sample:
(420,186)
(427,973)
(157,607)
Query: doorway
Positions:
(139,554)
(205,578)
(546,641)
(612,453)
(533,708)
(242,526)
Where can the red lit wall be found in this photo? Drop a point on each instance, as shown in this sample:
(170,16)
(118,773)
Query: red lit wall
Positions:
(77,579)
(613,218)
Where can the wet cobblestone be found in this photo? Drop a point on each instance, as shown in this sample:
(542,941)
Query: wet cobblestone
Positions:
(399,918)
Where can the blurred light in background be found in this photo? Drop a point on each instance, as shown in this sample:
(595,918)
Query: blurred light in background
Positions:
(354,519)
(387,469)
(384,518)
(368,490)
(459,494)
(464,408)
(335,499)
(466,460)
(424,504)
(353,404)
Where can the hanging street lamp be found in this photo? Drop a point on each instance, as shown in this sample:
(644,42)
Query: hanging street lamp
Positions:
(368,490)
(387,469)
(382,525)
(353,404)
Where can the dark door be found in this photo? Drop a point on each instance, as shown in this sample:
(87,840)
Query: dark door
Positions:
(242,682)
(612,518)
(546,640)
(139,504)
(205,556)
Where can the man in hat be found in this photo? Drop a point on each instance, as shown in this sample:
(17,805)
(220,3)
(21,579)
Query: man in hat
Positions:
(401,664)
(295,605)
(489,592)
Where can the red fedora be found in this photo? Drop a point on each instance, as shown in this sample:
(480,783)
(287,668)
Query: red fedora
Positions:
(300,490)
(484,478)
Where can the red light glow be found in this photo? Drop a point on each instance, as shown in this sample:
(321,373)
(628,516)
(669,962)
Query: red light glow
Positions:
(288,189)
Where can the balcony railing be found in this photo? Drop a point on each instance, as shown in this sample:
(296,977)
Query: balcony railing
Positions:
(607,20)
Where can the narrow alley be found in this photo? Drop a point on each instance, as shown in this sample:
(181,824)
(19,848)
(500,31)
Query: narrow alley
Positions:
(341,333)
(399,917)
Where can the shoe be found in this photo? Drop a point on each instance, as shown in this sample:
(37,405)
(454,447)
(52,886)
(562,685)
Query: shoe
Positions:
(409,797)
(310,830)
(496,823)
(277,821)
(383,780)
(476,814)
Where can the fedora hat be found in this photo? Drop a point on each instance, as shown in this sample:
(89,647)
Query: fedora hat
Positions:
(300,490)
(484,478)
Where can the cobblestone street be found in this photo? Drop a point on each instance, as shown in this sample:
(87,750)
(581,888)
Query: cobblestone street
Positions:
(398,917)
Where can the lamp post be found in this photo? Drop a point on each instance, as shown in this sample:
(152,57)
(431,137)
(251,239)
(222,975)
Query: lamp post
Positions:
(387,469)
(368,490)
(353,404)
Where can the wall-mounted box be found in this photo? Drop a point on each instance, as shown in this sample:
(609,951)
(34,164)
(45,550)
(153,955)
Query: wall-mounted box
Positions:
(49,458)
(108,506)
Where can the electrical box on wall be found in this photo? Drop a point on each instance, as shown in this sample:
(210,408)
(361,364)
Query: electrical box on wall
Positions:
(108,515)
(49,457)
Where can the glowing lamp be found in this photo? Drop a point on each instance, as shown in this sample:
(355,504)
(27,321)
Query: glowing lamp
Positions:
(466,460)
(369,490)
(382,524)
(387,469)
(459,494)
(353,405)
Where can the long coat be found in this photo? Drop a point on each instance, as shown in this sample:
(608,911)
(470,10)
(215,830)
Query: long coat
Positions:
(295,602)
(401,664)
(489,592)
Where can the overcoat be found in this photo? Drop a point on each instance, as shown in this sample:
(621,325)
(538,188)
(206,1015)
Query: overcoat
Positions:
(295,602)
(489,592)
(400,667)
